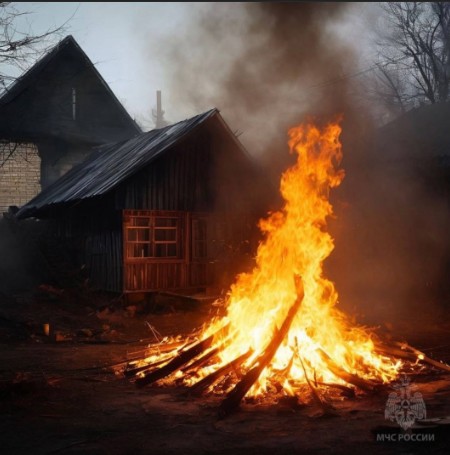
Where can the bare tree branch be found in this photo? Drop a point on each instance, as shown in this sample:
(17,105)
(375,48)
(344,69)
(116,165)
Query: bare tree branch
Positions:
(19,49)
(419,32)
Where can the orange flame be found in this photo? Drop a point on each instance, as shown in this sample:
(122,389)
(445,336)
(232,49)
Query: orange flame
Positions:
(320,344)
(296,243)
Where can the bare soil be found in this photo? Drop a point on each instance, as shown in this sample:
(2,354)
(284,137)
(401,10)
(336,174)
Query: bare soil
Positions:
(60,393)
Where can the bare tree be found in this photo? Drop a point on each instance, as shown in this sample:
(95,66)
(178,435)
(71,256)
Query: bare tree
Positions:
(20,47)
(414,54)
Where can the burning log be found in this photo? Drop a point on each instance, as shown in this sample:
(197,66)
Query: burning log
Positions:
(162,350)
(202,360)
(181,359)
(208,381)
(345,375)
(130,372)
(326,407)
(422,357)
(346,391)
(407,352)
(231,402)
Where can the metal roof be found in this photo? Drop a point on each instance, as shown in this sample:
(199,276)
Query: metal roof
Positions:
(111,164)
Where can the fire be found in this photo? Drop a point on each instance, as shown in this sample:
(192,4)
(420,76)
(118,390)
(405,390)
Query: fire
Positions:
(321,346)
(297,243)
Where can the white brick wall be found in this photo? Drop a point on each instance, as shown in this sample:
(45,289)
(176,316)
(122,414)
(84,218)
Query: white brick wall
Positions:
(19,174)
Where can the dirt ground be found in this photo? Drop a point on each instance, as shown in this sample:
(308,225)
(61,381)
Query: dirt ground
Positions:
(60,393)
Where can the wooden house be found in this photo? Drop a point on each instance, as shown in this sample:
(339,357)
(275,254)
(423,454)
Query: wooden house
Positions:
(55,113)
(169,209)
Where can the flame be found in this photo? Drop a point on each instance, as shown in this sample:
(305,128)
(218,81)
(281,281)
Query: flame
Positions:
(296,243)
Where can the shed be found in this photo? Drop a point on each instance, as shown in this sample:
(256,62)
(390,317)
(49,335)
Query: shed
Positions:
(169,209)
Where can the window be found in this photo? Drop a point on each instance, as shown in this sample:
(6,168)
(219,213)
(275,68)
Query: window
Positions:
(153,236)
(74,103)
(199,239)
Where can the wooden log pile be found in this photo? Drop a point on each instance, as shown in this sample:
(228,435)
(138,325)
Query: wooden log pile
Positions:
(189,358)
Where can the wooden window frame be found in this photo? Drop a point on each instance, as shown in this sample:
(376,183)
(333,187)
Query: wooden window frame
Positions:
(197,240)
(154,226)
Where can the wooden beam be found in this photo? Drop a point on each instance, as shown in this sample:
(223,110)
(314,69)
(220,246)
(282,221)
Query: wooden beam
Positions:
(345,375)
(232,400)
(181,359)
(130,372)
(199,387)
(424,358)
(327,408)
(404,351)
(201,360)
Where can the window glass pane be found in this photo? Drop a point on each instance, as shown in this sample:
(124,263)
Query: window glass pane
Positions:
(138,235)
(140,221)
(168,235)
(199,232)
(172,250)
(142,250)
(139,250)
(160,250)
(146,250)
(166,222)
(132,235)
(144,235)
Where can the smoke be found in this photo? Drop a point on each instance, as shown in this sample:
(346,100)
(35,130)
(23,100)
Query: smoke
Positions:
(269,66)
(263,65)
(392,253)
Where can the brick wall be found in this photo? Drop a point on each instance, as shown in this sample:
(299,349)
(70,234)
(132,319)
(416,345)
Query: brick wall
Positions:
(19,174)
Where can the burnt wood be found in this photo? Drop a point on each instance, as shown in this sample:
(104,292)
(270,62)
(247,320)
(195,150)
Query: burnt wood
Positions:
(181,359)
(199,387)
(345,375)
(404,351)
(231,402)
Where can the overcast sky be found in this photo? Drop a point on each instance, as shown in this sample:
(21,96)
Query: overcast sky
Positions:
(192,52)
(112,35)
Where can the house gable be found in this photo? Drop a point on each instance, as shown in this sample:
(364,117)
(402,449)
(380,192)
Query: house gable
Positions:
(64,96)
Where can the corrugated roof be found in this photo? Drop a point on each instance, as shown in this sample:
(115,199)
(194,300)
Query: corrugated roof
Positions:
(111,164)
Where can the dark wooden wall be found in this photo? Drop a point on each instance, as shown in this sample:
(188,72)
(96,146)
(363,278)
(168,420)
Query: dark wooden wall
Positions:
(179,180)
(90,235)
(204,173)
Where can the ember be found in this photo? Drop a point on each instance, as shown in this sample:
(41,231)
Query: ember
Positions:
(282,333)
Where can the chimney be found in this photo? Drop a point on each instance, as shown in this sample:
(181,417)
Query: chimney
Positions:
(159,115)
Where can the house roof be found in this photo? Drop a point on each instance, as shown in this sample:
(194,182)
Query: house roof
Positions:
(27,79)
(109,165)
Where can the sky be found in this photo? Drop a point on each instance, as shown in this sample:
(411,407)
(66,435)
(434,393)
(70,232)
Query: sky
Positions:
(242,58)
(112,35)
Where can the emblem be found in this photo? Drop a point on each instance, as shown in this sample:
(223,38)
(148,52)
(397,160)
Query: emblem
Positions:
(404,406)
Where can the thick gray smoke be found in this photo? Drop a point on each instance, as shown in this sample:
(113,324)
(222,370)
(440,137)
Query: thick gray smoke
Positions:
(269,66)
(263,65)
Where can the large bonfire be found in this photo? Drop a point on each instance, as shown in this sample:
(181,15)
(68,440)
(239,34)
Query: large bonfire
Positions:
(282,331)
